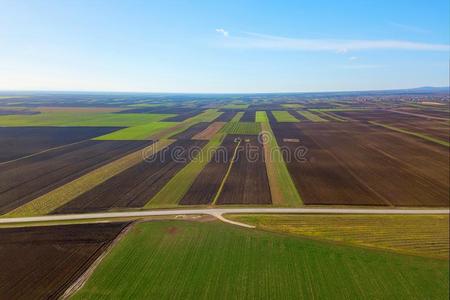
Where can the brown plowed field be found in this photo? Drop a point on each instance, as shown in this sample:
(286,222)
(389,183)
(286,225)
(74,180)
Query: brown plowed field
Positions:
(42,262)
(249,116)
(209,132)
(137,185)
(432,127)
(226,116)
(358,164)
(191,131)
(247,182)
(207,183)
(17,142)
(23,180)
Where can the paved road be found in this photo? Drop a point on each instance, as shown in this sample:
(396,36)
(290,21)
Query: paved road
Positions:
(218,212)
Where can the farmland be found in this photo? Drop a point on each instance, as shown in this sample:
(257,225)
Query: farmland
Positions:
(65,157)
(283,116)
(24,180)
(414,235)
(343,180)
(215,260)
(42,262)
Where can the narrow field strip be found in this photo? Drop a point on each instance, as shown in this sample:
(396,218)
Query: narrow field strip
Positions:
(227,174)
(420,135)
(284,116)
(424,235)
(331,116)
(282,187)
(237,117)
(261,117)
(209,132)
(311,116)
(62,195)
(292,105)
(208,115)
(175,189)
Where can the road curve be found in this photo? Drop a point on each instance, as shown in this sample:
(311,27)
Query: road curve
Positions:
(218,212)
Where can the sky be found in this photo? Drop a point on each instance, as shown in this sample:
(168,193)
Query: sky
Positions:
(218,46)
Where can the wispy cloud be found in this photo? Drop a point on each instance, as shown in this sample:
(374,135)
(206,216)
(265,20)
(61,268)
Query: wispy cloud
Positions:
(261,41)
(223,32)
(409,28)
(352,58)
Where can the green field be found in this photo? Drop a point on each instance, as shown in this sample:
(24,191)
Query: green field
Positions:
(81,119)
(283,116)
(235,106)
(141,132)
(241,128)
(425,235)
(261,117)
(212,260)
(311,117)
(292,105)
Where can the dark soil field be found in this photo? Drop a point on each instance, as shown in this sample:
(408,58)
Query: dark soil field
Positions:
(137,185)
(207,183)
(432,127)
(249,116)
(42,262)
(226,116)
(247,182)
(6,112)
(191,131)
(17,142)
(357,164)
(23,180)
(184,116)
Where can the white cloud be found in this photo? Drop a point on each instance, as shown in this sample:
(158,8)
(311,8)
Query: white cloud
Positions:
(352,58)
(223,32)
(262,41)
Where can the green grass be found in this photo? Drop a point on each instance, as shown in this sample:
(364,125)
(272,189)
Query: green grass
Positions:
(81,119)
(179,184)
(236,106)
(311,117)
(283,116)
(141,132)
(241,128)
(261,117)
(282,187)
(237,117)
(420,135)
(208,115)
(212,260)
(425,235)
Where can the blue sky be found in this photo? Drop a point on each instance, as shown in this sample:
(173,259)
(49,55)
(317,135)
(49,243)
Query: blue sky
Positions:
(223,46)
